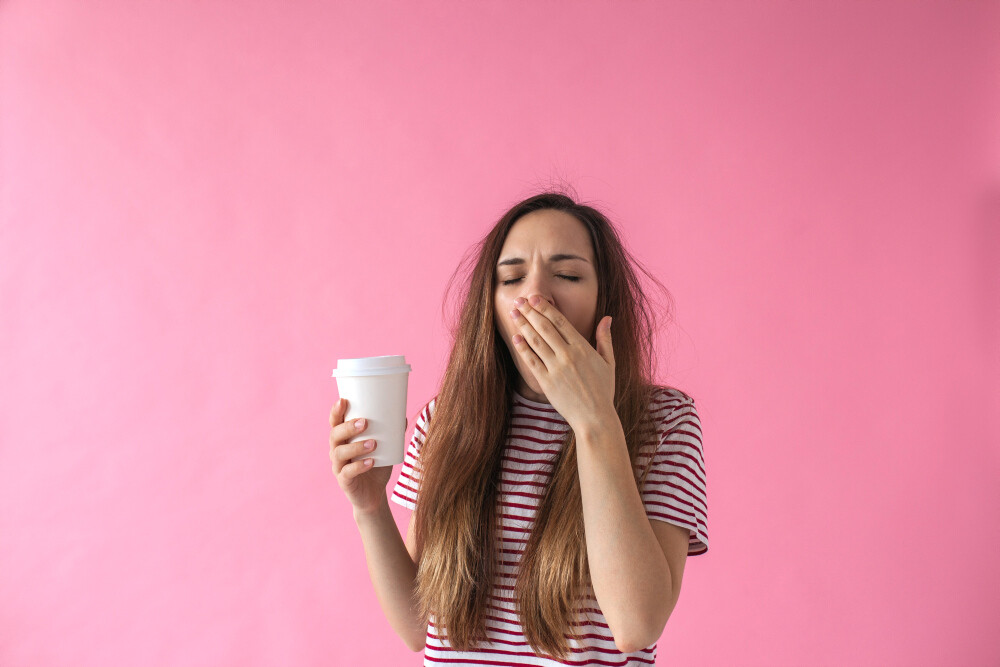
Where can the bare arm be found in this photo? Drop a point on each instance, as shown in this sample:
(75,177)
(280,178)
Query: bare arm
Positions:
(628,569)
(393,573)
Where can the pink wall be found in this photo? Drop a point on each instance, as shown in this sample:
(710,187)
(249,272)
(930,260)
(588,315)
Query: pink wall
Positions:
(204,205)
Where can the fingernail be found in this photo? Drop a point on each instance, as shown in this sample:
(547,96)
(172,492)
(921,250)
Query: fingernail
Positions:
(368,462)
(369,444)
(359,424)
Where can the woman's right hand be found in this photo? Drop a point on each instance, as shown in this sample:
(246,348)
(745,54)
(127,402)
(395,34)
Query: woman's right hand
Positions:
(363,485)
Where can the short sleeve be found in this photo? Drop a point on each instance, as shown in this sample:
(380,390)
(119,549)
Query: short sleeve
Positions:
(405,491)
(675,488)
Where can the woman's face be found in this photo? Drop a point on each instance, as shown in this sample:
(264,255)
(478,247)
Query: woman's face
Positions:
(568,284)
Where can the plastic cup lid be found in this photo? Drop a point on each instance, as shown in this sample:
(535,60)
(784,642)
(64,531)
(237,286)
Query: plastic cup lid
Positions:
(384,365)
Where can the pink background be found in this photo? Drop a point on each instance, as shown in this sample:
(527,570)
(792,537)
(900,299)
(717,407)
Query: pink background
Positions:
(204,205)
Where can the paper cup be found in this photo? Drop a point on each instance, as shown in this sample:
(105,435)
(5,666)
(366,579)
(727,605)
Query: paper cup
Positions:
(375,388)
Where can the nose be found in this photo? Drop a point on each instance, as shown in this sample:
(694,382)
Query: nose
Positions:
(529,293)
(537,283)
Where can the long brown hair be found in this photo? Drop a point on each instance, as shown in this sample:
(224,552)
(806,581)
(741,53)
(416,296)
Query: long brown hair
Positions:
(457,518)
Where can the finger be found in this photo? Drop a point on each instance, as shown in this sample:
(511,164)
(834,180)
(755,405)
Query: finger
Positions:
(341,455)
(551,322)
(352,470)
(337,412)
(353,450)
(532,334)
(341,433)
(344,431)
(534,362)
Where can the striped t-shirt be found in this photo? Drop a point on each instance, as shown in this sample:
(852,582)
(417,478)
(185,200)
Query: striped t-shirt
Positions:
(674,492)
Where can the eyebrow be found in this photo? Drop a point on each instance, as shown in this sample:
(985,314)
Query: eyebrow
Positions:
(561,257)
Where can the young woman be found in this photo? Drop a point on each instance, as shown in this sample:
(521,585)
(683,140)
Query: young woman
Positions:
(557,490)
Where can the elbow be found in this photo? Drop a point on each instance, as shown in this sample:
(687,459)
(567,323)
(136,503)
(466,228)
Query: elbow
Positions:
(632,644)
(637,643)
(417,643)
(629,643)
(624,647)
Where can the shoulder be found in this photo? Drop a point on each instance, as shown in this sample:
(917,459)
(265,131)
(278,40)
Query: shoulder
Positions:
(423,419)
(675,416)
(666,402)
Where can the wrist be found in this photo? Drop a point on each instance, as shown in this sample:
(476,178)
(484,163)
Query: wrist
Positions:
(600,428)
(379,510)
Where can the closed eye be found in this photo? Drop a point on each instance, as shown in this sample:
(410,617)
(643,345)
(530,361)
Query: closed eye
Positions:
(571,278)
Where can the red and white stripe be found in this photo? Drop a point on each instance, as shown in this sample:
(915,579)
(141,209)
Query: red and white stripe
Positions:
(674,492)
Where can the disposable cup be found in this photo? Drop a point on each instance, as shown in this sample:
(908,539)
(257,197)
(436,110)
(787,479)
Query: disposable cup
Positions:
(375,388)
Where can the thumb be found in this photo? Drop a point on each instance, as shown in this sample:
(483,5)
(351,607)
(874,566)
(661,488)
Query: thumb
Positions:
(604,340)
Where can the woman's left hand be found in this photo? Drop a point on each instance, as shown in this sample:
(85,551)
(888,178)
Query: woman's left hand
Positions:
(577,380)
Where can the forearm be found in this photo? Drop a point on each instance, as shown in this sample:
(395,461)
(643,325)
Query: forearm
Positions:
(629,573)
(393,574)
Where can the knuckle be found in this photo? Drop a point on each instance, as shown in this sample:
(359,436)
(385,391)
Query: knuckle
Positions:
(344,432)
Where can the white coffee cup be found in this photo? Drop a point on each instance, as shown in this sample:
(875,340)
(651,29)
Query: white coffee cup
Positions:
(375,388)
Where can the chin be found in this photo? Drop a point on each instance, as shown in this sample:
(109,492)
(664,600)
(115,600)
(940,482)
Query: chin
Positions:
(529,379)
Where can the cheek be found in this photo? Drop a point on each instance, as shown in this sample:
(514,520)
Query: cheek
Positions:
(502,316)
(580,322)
